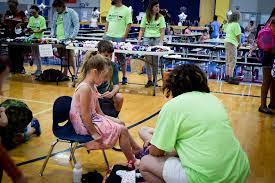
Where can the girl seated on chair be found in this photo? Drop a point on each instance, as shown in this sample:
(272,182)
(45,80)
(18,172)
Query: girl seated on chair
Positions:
(87,117)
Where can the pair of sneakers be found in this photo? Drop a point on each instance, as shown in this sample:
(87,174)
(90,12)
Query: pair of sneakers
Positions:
(124,80)
(37,73)
(266,109)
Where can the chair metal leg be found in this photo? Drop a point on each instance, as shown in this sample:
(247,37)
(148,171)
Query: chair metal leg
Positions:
(72,149)
(48,157)
(106,160)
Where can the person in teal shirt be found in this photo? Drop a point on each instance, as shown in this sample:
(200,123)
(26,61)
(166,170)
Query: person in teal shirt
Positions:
(119,20)
(36,26)
(153,29)
(193,141)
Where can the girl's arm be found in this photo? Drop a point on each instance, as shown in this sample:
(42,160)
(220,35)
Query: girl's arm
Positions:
(85,98)
(162,33)
(239,40)
(141,32)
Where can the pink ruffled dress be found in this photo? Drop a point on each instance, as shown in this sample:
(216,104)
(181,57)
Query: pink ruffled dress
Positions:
(109,130)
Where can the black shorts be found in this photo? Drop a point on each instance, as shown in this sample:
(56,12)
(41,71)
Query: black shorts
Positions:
(107,106)
(267,59)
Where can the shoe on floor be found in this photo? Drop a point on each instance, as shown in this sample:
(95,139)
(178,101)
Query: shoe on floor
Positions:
(233,81)
(36,125)
(149,84)
(37,73)
(124,80)
(266,110)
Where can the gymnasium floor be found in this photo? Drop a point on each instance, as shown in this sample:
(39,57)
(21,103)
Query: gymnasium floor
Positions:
(253,129)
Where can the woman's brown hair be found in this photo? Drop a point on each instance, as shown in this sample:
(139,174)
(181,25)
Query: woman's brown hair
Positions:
(149,11)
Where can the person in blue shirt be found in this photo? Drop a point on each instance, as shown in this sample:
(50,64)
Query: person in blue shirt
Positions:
(215,25)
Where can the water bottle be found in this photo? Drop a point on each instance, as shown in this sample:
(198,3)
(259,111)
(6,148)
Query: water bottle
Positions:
(77,173)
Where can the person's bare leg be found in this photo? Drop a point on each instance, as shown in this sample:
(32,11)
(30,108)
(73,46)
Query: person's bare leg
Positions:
(123,69)
(272,93)
(151,168)
(124,142)
(118,101)
(267,79)
(146,133)
(72,61)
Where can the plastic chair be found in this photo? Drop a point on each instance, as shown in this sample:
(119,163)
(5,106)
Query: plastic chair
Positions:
(66,133)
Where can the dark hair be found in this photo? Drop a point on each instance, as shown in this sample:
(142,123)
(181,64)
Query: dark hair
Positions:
(35,7)
(185,78)
(258,29)
(252,22)
(204,31)
(150,9)
(215,18)
(58,3)
(105,46)
(4,63)
(272,15)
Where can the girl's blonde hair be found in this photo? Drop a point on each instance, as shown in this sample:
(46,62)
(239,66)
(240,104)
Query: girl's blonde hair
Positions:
(97,62)
(234,17)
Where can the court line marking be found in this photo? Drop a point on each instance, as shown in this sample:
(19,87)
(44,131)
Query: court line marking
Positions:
(44,111)
(27,100)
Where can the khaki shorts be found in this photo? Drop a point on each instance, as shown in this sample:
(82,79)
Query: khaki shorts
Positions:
(231,54)
(173,172)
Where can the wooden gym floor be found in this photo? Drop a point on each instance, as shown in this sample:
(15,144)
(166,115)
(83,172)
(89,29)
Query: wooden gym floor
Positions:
(253,129)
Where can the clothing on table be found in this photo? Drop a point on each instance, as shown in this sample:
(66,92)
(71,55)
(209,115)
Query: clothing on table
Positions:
(118,18)
(151,61)
(70,22)
(232,31)
(120,56)
(109,130)
(37,24)
(11,20)
(108,86)
(152,29)
(216,29)
(199,130)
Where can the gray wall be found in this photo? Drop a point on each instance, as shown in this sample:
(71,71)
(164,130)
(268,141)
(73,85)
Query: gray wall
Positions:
(245,5)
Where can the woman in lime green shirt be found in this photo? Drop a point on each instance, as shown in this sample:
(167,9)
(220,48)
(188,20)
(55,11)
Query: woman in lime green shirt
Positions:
(193,141)
(153,28)
(232,43)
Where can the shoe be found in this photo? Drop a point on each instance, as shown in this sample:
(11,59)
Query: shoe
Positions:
(265,110)
(36,125)
(37,73)
(124,80)
(22,72)
(233,81)
(149,84)
(271,106)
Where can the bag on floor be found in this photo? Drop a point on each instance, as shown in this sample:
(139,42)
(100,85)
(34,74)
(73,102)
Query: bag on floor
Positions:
(19,116)
(51,75)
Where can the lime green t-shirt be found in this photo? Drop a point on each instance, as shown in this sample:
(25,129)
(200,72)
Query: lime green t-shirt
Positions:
(232,31)
(196,125)
(60,34)
(152,29)
(118,18)
(36,24)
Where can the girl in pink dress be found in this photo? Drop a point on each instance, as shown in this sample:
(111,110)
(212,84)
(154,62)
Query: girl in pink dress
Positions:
(87,117)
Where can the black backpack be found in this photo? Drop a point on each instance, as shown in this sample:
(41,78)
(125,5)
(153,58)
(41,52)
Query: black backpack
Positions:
(51,75)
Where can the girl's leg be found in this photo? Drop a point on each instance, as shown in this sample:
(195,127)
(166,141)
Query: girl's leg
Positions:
(155,68)
(38,59)
(151,168)
(124,142)
(272,93)
(267,80)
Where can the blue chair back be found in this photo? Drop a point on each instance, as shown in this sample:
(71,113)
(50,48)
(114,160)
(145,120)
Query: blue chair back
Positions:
(61,111)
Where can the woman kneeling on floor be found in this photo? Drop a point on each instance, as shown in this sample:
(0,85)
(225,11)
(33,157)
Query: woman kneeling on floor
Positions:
(195,125)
